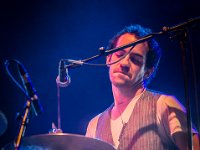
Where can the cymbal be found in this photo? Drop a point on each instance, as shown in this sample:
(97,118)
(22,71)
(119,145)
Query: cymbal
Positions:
(63,141)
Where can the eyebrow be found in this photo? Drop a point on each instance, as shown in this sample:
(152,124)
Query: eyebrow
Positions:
(136,54)
(132,54)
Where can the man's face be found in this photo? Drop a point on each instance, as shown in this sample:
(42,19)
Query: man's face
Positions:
(130,70)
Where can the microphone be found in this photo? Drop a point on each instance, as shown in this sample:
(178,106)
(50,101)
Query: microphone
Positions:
(63,79)
(30,90)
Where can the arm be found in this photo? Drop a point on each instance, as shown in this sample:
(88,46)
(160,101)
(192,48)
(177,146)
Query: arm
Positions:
(174,121)
(181,141)
(196,140)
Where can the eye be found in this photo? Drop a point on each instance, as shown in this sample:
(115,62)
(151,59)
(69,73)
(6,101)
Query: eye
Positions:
(119,53)
(137,59)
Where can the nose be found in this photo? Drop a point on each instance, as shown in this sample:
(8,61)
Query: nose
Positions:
(125,64)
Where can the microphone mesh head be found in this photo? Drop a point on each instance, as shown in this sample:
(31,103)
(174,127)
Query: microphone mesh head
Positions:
(63,84)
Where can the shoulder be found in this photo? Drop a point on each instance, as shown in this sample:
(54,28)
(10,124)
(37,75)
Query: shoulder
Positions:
(93,121)
(91,128)
(167,100)
(171,102)
(171,114)
(169,107)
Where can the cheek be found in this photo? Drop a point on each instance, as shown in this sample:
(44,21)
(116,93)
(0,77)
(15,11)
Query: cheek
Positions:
(110,70)
(137,72)
(111,75)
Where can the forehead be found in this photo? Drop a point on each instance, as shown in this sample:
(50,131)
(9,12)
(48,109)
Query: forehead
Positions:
(126,38)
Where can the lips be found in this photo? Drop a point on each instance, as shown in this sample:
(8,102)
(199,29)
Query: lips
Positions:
(124,73)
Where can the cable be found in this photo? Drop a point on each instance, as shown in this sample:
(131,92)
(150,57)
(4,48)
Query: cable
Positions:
(7,63)
(81,62)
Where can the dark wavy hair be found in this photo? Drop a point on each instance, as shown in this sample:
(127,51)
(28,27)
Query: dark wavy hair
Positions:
(154,53)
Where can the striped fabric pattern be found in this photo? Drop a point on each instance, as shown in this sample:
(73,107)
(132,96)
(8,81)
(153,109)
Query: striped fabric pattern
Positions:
(141,132)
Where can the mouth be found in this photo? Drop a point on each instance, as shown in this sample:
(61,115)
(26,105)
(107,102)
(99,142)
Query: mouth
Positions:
(121,72)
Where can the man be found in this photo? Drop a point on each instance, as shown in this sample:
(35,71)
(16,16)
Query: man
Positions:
(139,119)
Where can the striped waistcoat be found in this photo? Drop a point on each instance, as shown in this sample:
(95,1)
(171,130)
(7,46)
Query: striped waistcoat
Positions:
(140,132)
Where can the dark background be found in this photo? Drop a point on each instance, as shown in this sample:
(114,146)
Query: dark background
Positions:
(39,33)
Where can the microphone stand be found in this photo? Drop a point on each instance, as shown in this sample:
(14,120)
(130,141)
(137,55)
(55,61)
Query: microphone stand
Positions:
(185,47)
(104,52)
(180,29)
(24,122)
(183,44)
(58,128)
(182,32)
(32,102)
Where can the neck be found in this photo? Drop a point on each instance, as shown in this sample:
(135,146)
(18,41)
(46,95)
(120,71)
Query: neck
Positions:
(123,96)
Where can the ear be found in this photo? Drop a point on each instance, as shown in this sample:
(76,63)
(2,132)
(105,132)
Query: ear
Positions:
(148,72)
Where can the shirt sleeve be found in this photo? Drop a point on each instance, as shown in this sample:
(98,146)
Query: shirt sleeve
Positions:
(171,117)
(91,128)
